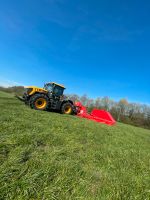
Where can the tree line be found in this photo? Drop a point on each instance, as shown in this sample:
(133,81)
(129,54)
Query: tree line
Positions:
(123,111)
(18,90)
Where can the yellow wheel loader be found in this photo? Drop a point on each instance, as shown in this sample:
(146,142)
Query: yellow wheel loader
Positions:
(48,98)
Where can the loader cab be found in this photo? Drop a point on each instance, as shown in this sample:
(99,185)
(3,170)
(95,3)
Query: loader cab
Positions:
(54,89)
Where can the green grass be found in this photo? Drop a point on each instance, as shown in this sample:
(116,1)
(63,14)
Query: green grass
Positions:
(51,156)
(4,94)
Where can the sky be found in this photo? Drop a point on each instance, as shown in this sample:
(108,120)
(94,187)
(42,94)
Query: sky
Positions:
(94,47)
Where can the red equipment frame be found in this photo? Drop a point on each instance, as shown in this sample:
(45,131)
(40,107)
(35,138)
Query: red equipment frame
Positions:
(100,116)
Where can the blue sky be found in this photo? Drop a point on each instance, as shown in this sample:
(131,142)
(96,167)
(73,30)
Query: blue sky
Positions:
(98,48)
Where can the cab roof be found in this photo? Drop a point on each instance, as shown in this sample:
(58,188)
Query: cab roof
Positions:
(57,84)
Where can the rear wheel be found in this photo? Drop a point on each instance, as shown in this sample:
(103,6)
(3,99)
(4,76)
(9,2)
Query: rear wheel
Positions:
(39,102)
(67,108)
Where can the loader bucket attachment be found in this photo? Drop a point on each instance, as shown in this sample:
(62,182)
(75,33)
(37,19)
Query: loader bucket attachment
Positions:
(20,98)
(100,116)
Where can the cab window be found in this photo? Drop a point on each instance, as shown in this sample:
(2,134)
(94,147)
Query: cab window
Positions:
(58,91)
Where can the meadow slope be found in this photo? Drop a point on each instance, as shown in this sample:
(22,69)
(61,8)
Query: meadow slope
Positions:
(51,156)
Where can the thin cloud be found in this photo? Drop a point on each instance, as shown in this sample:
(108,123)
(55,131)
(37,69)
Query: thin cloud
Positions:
(9,83)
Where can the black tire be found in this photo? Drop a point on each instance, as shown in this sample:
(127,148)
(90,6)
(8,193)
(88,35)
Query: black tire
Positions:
(67,108)
(39,102)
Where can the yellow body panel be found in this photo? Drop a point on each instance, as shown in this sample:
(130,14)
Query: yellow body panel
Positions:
(36,89)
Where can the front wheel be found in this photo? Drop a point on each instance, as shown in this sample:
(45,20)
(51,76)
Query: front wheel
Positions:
(67,108)
(39,102)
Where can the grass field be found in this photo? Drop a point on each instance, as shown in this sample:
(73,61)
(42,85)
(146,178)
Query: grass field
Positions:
(51,156)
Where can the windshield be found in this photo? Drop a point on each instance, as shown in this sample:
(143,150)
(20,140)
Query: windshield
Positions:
(48,87)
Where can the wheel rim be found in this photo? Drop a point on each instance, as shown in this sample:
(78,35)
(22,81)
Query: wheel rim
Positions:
(68,110)
(40,103)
